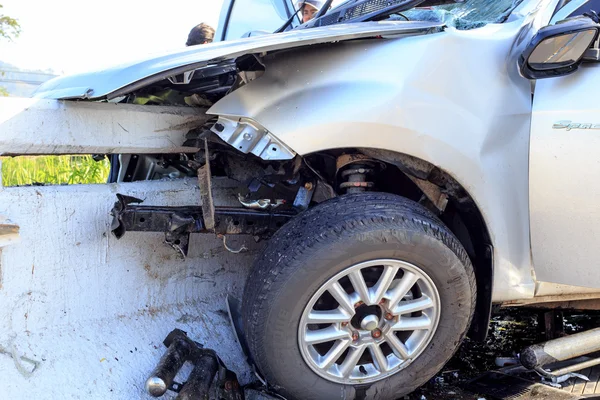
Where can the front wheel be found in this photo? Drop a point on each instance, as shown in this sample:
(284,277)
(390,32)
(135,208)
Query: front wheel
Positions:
(365,296)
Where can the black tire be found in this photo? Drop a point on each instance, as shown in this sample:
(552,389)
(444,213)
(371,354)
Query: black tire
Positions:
(325,240)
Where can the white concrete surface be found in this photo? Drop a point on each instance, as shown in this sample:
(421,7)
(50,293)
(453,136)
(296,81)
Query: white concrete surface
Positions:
(90,311)
(36,126)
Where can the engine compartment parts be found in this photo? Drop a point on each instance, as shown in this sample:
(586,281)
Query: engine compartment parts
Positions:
(260,204)
(209,379)
(208,367)
(250,137)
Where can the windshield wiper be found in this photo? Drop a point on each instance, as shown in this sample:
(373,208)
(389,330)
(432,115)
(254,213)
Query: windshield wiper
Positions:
(324,9)
(288,22)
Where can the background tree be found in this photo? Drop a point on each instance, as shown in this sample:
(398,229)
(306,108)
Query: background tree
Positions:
(9,27)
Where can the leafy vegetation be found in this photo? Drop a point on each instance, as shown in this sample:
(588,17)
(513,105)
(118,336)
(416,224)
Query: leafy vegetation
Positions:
(9,27)
(53,170)
(46,170)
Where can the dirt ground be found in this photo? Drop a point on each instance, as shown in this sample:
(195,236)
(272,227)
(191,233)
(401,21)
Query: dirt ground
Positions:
(511,330)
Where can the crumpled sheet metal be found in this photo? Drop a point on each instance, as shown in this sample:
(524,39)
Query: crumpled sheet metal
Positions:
(9,232)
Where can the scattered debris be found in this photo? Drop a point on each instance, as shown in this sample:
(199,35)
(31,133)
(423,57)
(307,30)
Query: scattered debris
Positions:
(478,371)
(503,386)
(209,379)
(207,366)
(511,331)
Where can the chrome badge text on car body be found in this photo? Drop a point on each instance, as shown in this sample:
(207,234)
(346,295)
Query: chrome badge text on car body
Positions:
(568,125)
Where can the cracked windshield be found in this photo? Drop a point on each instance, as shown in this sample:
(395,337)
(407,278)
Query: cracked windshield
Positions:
(467,15)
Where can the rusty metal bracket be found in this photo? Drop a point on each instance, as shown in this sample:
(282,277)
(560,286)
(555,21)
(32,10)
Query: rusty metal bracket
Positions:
(205,185)
(178,222)
(433,192)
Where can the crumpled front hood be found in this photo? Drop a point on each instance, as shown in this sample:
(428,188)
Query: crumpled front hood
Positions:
(124,79)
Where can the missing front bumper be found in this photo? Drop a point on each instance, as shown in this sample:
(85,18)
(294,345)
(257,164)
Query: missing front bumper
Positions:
(177,223)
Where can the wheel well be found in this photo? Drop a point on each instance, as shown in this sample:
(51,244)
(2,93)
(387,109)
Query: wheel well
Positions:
(429,185)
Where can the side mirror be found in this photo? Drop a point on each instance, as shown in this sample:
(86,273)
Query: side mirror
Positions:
(558,50)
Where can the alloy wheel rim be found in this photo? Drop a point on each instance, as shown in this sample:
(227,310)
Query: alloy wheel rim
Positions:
(369,321)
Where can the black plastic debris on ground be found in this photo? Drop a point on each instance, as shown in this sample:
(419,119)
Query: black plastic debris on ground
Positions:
(511,331)
(499,386)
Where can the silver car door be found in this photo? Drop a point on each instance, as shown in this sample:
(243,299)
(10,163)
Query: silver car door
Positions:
(565,174)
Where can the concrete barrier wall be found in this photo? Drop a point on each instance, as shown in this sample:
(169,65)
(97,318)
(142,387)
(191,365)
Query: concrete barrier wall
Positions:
(83,315)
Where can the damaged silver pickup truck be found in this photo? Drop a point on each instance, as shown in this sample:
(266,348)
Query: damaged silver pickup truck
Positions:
(406,167)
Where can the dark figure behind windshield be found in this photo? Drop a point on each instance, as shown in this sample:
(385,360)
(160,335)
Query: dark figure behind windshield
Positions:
(310,9)
(200,34)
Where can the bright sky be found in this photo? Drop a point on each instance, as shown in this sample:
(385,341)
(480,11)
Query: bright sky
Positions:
(71,36)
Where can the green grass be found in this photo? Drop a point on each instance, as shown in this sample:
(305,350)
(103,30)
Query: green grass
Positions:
(53,170)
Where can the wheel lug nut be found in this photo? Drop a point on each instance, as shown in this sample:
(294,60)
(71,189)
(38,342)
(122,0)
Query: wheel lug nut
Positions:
(344,324)
(355,336)
(382,302)
(360,303)
(376,333)
(389,316)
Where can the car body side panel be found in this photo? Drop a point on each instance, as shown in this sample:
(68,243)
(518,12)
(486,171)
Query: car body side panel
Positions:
(564,191)
(454,99)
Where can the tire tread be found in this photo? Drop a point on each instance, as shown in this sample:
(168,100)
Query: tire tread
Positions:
(334,219)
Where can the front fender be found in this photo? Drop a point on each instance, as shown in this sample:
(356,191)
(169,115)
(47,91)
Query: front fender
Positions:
(453,99)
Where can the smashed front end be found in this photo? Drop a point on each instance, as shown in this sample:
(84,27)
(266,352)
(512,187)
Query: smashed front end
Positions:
(274,181)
